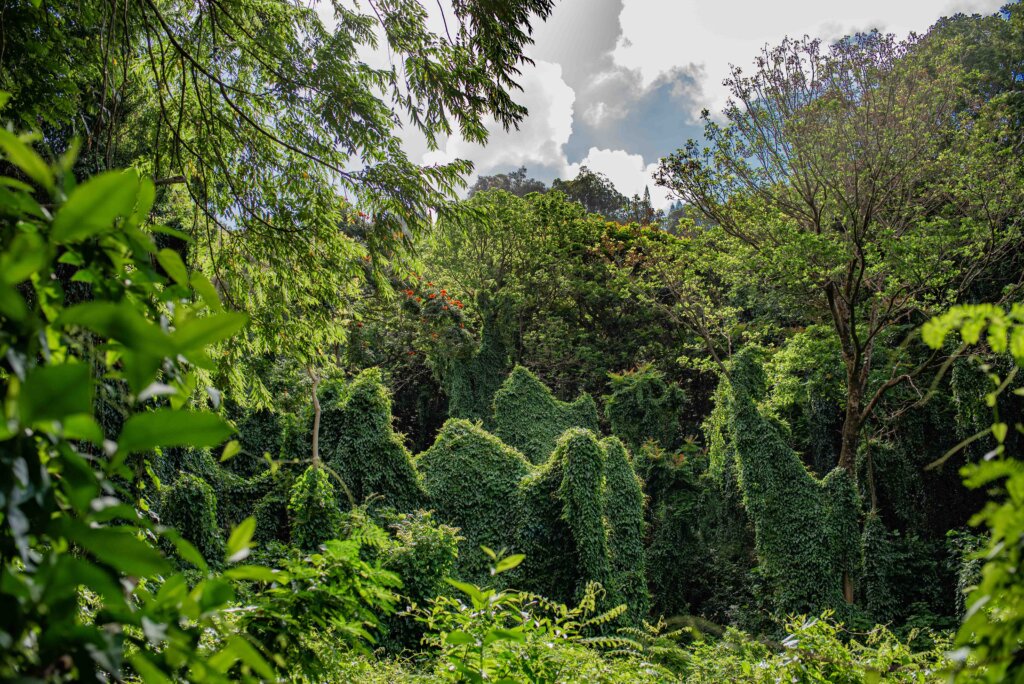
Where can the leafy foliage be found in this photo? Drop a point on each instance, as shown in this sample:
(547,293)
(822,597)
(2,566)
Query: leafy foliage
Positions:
(805,529)
(642,407)
(529,418)
(361,446)
(313,510)
(488,513)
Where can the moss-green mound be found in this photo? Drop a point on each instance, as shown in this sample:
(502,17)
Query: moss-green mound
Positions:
(190,506)
(642,407)
(313,510)
(359,444)
(472,479)
(471,383)
(624,512)
(528,417)
(806,531)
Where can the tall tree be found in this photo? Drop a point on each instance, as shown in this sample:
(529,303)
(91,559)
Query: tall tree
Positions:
(861,181)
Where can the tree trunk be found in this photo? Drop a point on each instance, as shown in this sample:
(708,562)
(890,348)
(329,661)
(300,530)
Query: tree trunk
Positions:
(851,427)
(316,417)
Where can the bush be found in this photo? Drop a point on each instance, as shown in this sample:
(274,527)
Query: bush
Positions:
(313,509)
(529,418)
(642,407)
(472,479)
(422,555)
(190,506)
(359,444)
(814,650)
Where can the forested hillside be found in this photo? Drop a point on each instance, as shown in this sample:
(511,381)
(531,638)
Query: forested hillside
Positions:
(281,403)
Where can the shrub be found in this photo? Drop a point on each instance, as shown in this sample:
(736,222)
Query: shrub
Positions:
(422,555)
(319,602)
(511,636)
(472,479)
(360,445)
(313,509)
(529,418)
(190,506)
(642,407)
(814,650)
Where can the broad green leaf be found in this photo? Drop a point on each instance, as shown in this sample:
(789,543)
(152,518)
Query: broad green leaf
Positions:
(167,427)
(186,550)
(469,589)
(204,288)
(255,573)
(199,332)
(459,638)
(122,322)
(240,540)
(172,263)
(120,548)
(231,449)
(26,159)
(12,304)
(498,634)
(95,204)
(25,255)
(150,673)
(506,564)
(55,392)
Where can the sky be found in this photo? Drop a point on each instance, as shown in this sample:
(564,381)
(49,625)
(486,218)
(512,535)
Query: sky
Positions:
(618,84)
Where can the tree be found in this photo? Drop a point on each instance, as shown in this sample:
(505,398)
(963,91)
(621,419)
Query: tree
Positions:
(275,145)
(515,182)
(595,192)
(858,181)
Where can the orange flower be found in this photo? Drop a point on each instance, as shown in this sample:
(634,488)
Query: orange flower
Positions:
(419,299)
(432,295)
(444,292)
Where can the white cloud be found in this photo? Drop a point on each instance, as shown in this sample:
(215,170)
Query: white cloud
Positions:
(541,137)
(658,35)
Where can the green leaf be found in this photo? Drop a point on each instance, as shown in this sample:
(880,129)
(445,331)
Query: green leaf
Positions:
(205,289)
(459,638)
(231,449)
(167,427)
(172,263)
(506,564)
(255,573)
(55,392)
(498,634)
(94,205)
(200,332)
(26,255)
(240,540)
(149,672)
(26,159)
(999,431)
(469,589)
(12,304)
(120,548)
(122,322)
(186,549)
